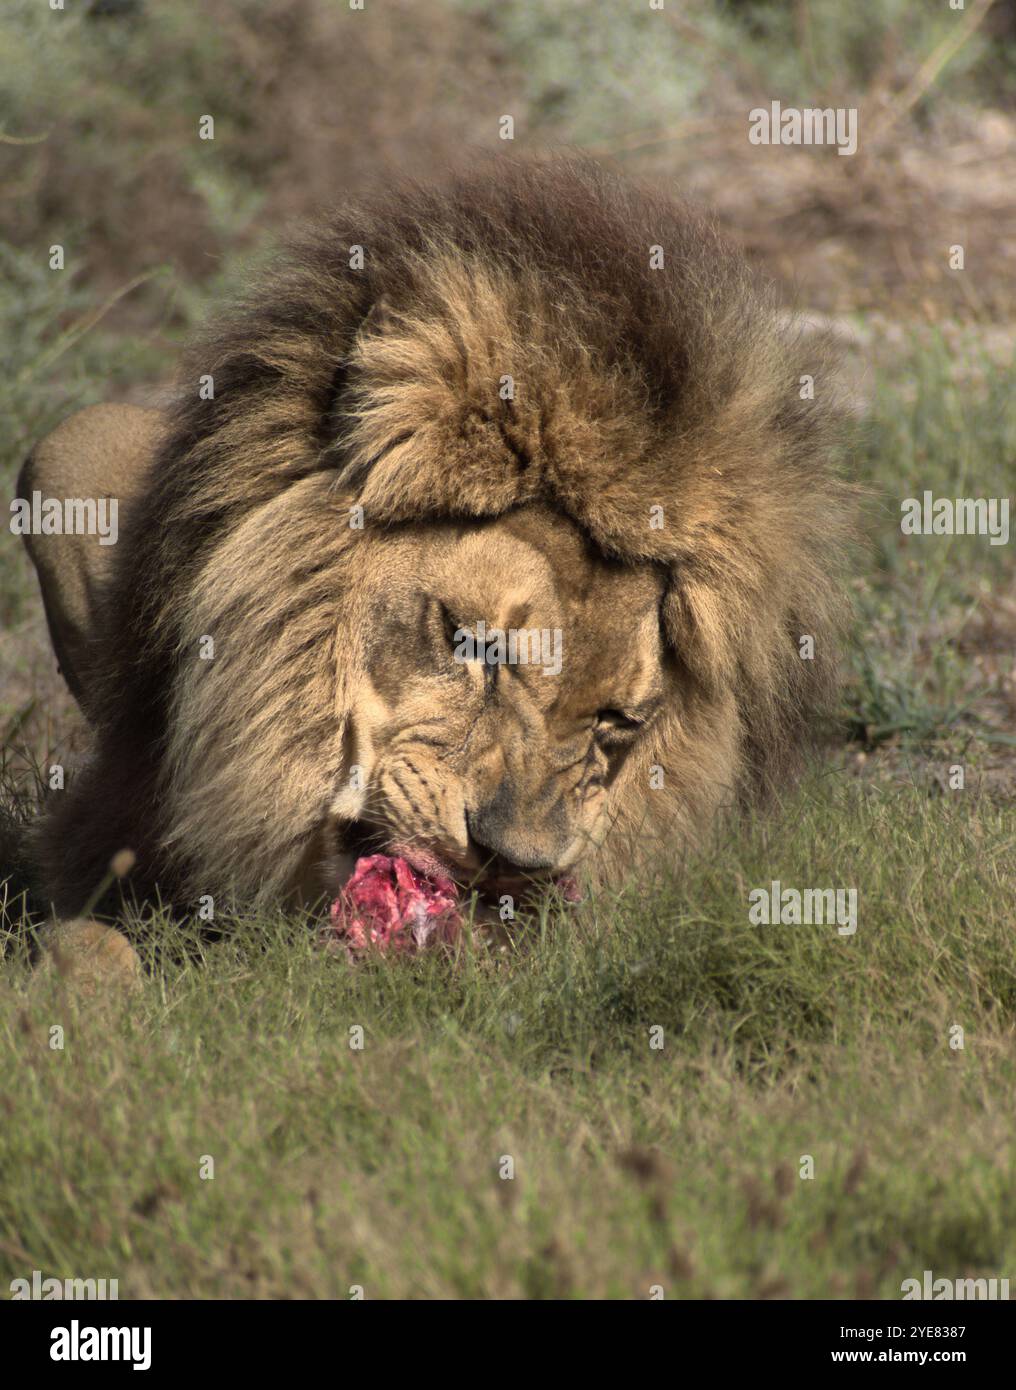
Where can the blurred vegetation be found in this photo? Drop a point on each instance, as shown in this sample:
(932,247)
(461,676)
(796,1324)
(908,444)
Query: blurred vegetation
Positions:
(310,99)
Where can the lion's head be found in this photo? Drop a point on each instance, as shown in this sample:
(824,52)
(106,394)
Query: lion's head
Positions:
(507,540)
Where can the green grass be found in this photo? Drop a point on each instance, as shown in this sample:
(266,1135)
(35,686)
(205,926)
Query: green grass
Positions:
(941,418)
(633,1166)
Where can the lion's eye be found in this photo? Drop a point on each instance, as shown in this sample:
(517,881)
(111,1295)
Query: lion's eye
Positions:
(613,725)
(450,628)
(444,631)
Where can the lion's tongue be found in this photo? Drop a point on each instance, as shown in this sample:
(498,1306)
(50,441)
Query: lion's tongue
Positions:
(389,904)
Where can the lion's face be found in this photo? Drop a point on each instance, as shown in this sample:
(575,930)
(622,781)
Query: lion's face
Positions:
(510,672)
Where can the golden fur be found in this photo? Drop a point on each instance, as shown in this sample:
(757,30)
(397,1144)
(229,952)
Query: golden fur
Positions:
(650,482)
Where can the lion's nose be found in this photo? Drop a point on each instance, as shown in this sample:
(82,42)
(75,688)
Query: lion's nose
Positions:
(492,837)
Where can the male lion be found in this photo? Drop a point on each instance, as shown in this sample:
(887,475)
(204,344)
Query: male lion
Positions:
(536,399)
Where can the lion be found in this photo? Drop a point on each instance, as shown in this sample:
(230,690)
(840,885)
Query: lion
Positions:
(534,404)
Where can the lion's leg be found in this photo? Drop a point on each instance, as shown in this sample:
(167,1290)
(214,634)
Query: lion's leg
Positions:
(97,458)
